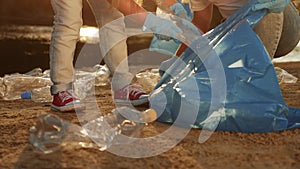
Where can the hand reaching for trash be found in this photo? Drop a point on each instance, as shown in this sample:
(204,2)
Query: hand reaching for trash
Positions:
(176,28)
(161,26)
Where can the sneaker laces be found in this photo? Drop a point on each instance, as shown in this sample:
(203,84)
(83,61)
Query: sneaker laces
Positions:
(65,95)
(134,90)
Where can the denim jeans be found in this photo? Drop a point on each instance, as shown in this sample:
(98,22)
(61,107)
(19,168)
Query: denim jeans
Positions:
(279,32)
(290,35)
(65,35)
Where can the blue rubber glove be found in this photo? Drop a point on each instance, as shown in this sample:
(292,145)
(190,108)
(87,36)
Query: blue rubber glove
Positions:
(164,29)
(161,26)
(180,11)
(190,31)
(275,6)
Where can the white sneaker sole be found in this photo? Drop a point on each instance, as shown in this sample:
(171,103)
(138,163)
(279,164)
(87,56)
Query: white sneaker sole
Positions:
(67,108)
(132,102)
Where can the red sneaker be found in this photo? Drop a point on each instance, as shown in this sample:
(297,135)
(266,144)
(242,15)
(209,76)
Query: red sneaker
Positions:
(66,101)
(133,94)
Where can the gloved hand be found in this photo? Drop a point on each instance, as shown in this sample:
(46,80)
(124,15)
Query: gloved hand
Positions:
(182,30)
(275,6)
(190,31)
(179,11)
(161,26)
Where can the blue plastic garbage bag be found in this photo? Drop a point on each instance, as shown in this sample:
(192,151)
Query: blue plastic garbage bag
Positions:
(225,81)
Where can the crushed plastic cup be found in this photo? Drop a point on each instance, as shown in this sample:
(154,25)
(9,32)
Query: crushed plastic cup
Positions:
(87,78)
(50,133)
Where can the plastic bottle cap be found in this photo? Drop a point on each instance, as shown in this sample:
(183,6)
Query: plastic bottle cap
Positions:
(26,95)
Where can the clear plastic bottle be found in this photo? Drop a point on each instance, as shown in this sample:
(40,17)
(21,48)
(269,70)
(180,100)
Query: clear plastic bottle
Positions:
(50,133)
(13,85)
(39,95)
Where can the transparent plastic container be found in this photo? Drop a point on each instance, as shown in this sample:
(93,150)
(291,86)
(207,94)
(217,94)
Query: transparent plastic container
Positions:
(13,85)
(86,79)
(50,133)
(39,95)
(285,77)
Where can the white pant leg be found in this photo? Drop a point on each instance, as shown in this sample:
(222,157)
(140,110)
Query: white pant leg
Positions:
(65,34)
(113,44)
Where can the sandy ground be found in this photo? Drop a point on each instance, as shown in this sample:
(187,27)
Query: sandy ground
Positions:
(222,150)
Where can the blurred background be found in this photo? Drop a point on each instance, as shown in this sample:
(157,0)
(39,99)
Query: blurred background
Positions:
(34,12)
(25,30)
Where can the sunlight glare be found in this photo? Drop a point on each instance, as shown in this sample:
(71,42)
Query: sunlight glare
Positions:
(89,34)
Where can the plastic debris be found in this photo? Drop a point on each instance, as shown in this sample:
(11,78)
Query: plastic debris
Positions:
(87,79)
(148,79)
(39,95)
(285,77)
(50,133)
(35,83)
(13,85)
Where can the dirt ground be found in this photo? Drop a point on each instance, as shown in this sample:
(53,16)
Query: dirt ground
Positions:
(222,150)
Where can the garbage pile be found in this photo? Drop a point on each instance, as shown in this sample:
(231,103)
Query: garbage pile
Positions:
(36,83)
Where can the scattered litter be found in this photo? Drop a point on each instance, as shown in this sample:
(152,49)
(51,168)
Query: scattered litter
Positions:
(284,76)
(49,133)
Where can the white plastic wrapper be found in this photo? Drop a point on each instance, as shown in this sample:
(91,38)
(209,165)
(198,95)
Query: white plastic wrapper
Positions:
(284,76)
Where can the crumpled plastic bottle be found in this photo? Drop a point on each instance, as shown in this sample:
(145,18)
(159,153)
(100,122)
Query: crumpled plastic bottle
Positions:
(50,133)
(285,77)
(36,82)
(39,95)
(13,85)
